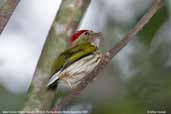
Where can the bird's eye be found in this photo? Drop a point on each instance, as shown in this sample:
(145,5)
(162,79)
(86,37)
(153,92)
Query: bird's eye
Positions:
(86,33)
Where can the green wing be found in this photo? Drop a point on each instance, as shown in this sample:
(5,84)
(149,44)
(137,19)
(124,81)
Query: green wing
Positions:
(71,55)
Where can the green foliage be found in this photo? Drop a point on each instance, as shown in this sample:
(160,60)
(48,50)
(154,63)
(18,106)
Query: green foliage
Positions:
(9,101)
(147,34)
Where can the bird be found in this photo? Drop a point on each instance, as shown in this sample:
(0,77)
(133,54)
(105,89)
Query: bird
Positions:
(82,56)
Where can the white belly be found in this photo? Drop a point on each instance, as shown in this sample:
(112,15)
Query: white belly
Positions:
(78,70)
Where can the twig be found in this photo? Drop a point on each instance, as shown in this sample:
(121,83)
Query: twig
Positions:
(6,9)
(109,55)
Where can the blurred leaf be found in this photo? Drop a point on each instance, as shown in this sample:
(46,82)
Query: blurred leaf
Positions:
(147,34)
(9,101)
(150,86)
(124,106)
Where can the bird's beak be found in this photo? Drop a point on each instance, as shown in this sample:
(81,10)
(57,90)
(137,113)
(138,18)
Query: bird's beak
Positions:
(96,39)
(98,34)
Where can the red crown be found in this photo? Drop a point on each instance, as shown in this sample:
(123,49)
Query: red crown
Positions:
(76,35)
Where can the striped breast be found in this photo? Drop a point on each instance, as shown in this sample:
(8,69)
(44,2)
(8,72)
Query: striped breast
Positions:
(78,70)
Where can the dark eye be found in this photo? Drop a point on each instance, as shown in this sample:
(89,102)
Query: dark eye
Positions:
(86,33)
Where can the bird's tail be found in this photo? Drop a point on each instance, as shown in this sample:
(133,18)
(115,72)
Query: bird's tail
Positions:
(53,81)
(53,86)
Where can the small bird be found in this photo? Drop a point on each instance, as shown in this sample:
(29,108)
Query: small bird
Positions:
(77,61)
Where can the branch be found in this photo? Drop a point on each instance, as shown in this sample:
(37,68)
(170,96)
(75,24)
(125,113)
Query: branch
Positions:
(109,55)
(6,9)
(67,19)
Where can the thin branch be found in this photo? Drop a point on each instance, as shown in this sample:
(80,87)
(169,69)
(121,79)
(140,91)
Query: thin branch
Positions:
(6,9)
(66,22)
(109,55)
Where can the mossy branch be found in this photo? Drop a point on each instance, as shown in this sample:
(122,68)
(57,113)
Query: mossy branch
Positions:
(109,55)
(67,19)
(6,9)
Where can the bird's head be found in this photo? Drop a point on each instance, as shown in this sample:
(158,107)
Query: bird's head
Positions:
(84,36)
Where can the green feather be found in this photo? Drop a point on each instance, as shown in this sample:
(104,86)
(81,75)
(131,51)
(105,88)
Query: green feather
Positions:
(71,55)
